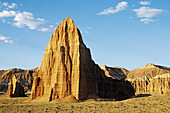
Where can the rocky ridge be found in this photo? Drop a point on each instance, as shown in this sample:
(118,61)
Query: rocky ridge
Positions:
(149,79)
(149,70)
(157,85)
(24,76)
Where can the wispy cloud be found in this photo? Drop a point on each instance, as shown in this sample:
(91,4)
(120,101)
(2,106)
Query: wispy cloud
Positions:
(12,6)
(147,13)
(147,20)
(6,39)
(87,31)
(8,6)
(43,29)
(119,7)
(27,19)
(145,2)
(5,4)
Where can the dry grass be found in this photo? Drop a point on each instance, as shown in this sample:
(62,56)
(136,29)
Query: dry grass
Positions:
(151,104)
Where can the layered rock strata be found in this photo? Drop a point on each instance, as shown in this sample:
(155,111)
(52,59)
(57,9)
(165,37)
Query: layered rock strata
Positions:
(149,70)
(148,79)
(24,76)
(15,89)
(68,71)
(156,85)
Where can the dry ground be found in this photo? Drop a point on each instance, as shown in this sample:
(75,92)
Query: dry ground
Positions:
(149,104)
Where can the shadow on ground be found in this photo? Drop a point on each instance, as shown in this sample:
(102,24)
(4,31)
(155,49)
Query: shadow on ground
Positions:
(141,95)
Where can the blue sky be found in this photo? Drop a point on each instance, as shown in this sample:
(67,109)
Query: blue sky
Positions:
(124,33)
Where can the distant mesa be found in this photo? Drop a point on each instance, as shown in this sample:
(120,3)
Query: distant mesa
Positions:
(149,70)
(15,89)
(25,77)
(68,73)
(149,79)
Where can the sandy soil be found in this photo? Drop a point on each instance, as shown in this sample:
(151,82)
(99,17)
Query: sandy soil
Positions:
(140,104)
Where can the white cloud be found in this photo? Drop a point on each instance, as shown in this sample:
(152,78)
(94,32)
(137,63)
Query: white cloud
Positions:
(27,19)
(43,29)
(22,19)
(119,7)
(6,39)
(5,4)
(147,20)
(5,13)
(87,32)
(148,12)
(12,6)
(145,2)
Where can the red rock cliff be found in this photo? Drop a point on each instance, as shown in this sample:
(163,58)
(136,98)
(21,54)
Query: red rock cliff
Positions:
(66,66)
(67,70)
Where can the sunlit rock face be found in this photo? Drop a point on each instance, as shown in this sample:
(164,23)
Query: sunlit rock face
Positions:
(159,84)
(25,77)
(68,71)
(15,89)
(150,79)
(149,70)
(66,67)
(115,72)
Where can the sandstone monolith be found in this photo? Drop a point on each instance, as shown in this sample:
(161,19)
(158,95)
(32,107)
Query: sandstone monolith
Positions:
(68,72)
(66,67)
(15,89)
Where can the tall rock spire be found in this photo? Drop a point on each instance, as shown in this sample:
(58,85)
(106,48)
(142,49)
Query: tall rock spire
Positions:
(66,66)
(15,89)
(68,72)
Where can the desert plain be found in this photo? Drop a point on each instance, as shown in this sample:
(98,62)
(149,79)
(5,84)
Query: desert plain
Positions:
(138,104)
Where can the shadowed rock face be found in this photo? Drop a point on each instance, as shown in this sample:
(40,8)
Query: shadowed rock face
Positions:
(15,89)
(25,77)
(149,79)
(115,72)
(66,66)
(67,70)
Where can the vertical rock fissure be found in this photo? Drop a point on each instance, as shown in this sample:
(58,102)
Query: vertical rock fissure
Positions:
(67,69)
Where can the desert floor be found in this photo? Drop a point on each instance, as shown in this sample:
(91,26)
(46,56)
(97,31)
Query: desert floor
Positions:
(151,104)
